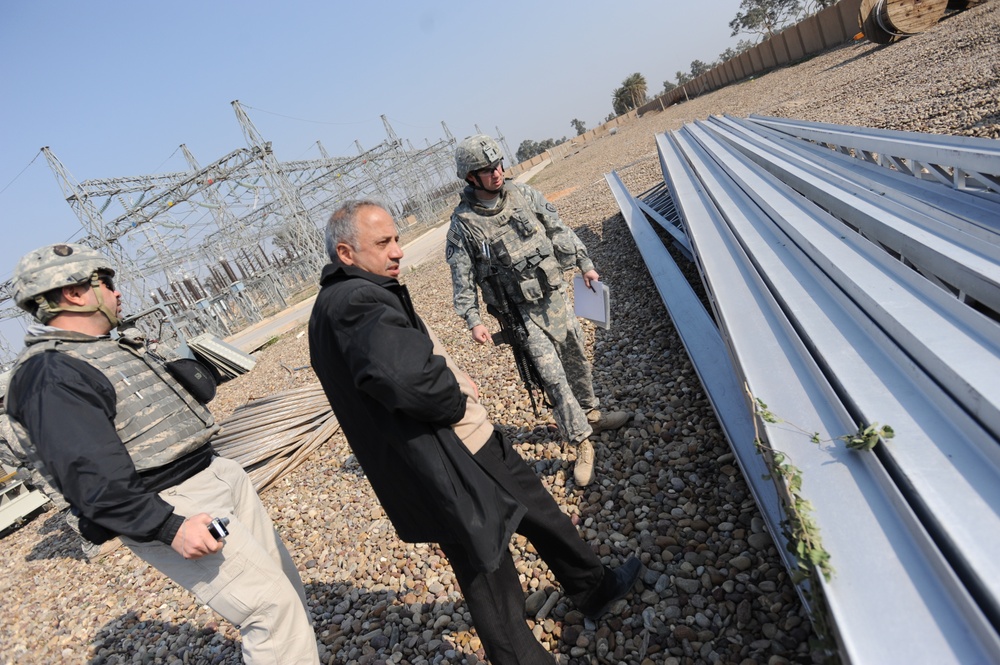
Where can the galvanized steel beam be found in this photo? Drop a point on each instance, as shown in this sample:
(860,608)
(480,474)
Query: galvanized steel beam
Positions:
(710,359)
(935,247)
(854,499)
(896,184)
(831,331)
(947,464)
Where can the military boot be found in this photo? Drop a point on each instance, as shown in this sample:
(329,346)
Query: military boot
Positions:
(601,422)
(583,470)
(95,552)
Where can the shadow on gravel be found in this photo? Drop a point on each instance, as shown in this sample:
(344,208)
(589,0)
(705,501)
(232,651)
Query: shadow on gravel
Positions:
(354,622)
(356,626)
(349,623)
(60,542)
(591,241)
(127,640)
(860,56)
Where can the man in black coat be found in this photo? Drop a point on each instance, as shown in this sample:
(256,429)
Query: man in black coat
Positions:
(440,470)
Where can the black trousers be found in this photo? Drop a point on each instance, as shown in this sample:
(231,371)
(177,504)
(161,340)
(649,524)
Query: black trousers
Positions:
(496,600)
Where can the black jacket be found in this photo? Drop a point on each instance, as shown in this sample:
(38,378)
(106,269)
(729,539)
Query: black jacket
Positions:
(395,401)
(68,409)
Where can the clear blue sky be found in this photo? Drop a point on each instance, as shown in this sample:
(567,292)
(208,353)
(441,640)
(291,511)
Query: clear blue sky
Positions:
(113,88)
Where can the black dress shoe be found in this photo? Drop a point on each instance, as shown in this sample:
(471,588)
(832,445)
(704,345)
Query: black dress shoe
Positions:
(614,586)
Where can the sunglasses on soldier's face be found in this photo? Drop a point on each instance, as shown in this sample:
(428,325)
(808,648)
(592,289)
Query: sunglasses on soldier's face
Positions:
(489,169)
(107,281)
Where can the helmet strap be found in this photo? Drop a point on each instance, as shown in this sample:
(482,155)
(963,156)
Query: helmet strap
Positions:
(47,310)
(102,307)
(476,183)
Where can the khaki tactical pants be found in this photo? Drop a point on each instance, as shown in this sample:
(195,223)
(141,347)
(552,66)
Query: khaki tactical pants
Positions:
(252,580)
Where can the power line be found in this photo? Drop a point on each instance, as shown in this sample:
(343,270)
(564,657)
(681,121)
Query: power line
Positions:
(406,124)
(21,173)
(316,122)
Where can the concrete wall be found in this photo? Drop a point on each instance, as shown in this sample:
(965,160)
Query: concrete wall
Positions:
(831,27)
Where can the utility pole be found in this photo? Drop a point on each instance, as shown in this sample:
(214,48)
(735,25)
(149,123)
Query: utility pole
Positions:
(234,235)
(416,197)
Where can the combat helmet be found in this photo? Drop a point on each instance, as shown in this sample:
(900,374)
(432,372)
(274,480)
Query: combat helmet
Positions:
(53,267)
(476,152)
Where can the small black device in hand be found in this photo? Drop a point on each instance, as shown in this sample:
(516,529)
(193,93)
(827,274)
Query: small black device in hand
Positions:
(217,527)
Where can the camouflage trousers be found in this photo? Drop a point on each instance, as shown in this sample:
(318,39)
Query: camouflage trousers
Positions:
(557,349)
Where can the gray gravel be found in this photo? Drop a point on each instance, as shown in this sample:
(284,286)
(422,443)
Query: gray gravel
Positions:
(714,590)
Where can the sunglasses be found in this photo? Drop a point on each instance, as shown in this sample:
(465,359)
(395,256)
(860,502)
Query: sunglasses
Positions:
(107,282)
(489,169)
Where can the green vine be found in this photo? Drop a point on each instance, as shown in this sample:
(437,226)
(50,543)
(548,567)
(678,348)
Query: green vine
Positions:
(866,437)
(799,527)
(760,408)
(801,532)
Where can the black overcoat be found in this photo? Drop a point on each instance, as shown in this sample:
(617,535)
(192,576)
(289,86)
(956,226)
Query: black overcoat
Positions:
(395,401)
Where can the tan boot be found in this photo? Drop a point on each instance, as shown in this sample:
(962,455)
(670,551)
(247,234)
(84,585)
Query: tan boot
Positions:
(583,470)
(95,552)
(601,422)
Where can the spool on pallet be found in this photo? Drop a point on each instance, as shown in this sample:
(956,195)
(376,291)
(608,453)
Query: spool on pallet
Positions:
(888,21)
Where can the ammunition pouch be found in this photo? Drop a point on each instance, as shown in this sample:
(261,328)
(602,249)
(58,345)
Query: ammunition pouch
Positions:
(532,290)
(522,224)
(550,271)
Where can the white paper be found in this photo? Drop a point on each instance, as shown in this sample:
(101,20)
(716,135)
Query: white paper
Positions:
(593,304)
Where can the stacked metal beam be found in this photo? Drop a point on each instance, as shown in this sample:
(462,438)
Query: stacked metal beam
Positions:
(227,360)
(273,435)
(848,294)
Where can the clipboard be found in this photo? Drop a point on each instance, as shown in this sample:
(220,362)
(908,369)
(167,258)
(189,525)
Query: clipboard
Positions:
(593,305)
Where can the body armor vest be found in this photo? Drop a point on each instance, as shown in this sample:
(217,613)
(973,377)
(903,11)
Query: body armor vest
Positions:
(509,241)
(156,418)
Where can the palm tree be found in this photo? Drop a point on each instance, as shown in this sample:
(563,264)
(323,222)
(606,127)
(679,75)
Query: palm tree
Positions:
(635,87)
(620,101)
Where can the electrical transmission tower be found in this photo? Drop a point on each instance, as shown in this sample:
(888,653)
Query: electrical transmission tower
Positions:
(215,248)
(304,239)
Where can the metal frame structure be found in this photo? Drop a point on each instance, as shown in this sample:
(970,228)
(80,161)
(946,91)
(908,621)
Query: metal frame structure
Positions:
(962,162)
(218,247)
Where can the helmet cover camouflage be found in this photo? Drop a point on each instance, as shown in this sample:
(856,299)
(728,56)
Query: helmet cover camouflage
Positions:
(476,152)
(52,267)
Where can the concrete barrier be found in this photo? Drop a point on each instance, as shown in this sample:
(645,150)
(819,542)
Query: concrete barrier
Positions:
(830,27)
(826,29)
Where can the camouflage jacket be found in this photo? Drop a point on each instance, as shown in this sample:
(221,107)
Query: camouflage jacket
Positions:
(522,241)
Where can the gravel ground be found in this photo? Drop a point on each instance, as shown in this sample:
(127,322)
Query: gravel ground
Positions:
(668,488)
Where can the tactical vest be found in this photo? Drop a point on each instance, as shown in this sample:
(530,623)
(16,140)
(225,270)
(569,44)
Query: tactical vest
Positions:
(156,418)
(510,242)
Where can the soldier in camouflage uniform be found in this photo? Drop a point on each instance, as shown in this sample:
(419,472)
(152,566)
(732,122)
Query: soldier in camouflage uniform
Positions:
(8,449)
(507,233)
(128,447)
